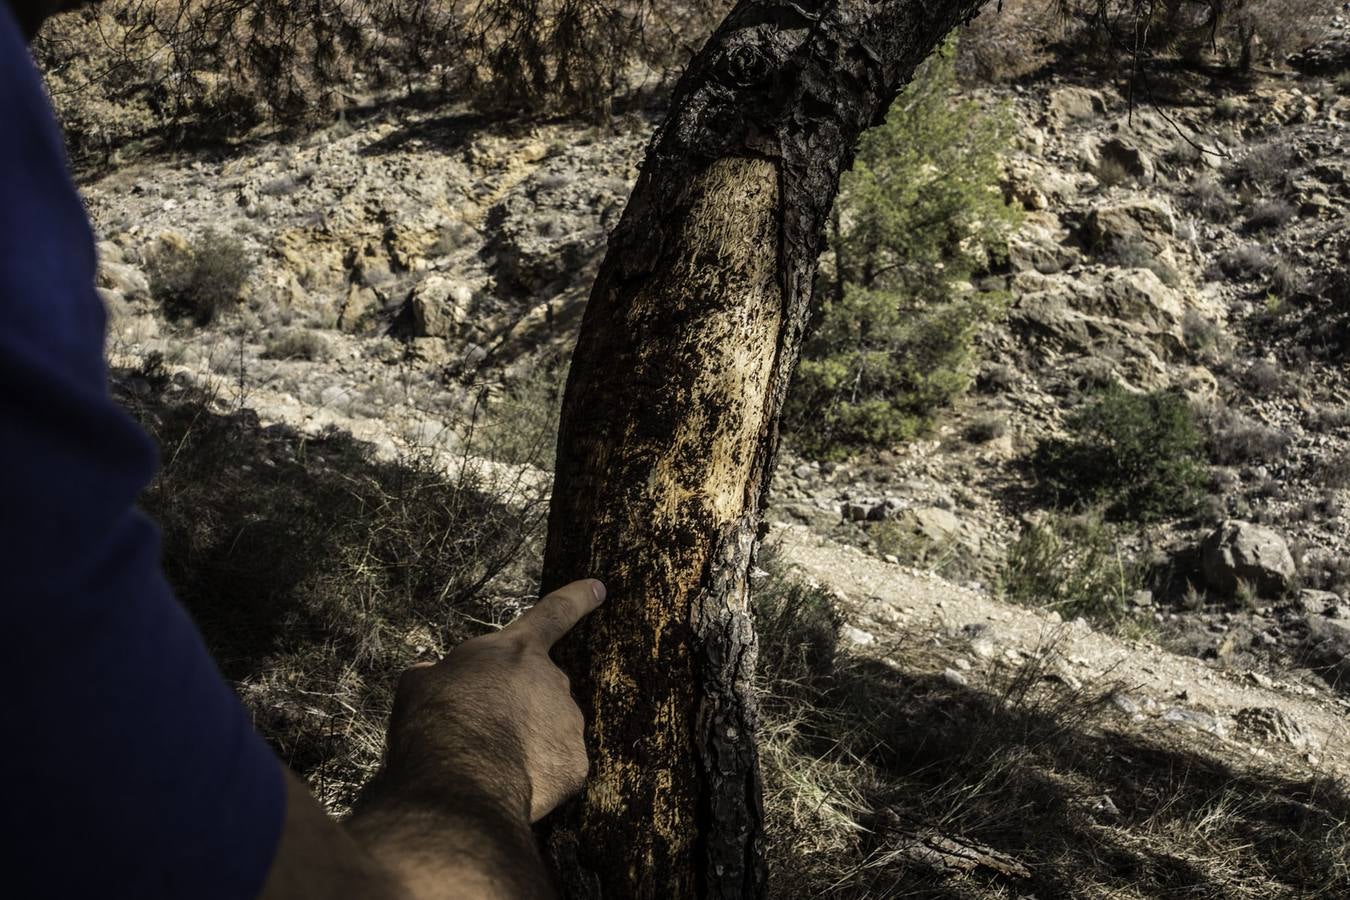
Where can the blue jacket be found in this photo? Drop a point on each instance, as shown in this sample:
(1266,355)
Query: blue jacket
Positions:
(131,770)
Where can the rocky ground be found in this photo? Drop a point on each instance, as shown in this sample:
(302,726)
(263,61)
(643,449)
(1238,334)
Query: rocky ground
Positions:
(418,271)
(1132,266)
(1291,715)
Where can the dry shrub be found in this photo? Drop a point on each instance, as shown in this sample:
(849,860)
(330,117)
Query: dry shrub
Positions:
(203,279)
(1250,31)
(317,572)
(1233,438)
(1247,262)
(1268,214)
(1209,199)
(223,66)
(1239,32)
(1267,166)
(297,344)
(1013,39)
(1264,378)
(886,778)
(1008,41)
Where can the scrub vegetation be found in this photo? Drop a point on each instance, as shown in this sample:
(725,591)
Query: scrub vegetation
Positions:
(886,778)
(390,229)
(918,215)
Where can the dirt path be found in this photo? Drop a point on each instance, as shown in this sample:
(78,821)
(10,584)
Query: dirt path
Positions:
(881,601)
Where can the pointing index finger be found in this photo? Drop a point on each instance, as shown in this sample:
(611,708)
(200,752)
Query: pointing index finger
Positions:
(556,614)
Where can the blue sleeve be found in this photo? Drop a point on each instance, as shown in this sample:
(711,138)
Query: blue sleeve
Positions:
(132,769)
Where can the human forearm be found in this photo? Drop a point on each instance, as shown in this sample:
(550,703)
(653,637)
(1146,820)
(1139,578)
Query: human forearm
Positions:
(481,745)
(402,845)
(460,841)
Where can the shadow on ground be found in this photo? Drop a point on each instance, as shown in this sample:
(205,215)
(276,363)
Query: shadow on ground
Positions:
(892,781)
(316,572)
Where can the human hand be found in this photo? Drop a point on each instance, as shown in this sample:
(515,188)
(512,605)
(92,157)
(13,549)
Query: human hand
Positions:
(498,713)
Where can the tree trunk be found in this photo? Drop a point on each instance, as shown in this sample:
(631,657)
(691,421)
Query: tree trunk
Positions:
(670,424)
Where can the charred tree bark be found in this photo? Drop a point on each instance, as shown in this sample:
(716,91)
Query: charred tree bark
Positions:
(670,424)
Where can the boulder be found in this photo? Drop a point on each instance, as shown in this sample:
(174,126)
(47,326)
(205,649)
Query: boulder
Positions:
(550,229)
(409,246)
(855,635)
(1194,718)
(361,302)
(1035,186)
(1327,57)
(109,251)
(855,511)
(1071,104)
(933,523)
(429,350)
(1242,552)
(1129,157)
(1271,724)
(804,512)
(318,260)
(1040,245)
(1139,221)
(126,280)
(1329,641)
(439,305)
(1316,602)
(1123,319)
(1139,295)
(370,264)
(886,509)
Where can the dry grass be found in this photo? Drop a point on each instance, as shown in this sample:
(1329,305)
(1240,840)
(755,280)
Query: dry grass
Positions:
(317,573)
(891,780)
(297,343)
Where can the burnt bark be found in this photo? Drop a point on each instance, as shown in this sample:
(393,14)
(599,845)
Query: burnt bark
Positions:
(670,424)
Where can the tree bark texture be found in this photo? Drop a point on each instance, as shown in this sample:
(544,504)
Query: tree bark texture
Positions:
(670,425)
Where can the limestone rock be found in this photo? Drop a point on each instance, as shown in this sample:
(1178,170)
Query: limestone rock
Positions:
(1139,221)
(1139,295)
(126,280)
(318,260)
(855,635)
(1270,724)
(1035,186)
(370,264)
(1316,602)
(439,305)
(1040,245)
(360,303)
(1129,157)
(935,524)
(856,511)
(1194,718)
(554,226)
(1329,641)
(1070,104)
(1253,554)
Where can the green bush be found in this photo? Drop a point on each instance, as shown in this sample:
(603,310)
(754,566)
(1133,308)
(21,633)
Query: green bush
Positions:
(1136,454)
(881,368)
(920,212)
(203,279)
(1075,565)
